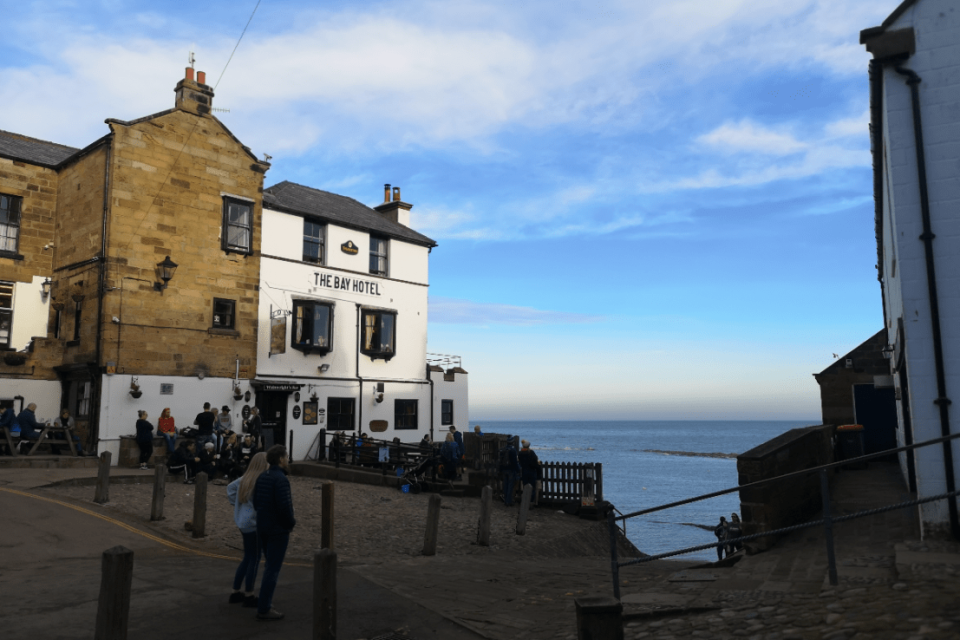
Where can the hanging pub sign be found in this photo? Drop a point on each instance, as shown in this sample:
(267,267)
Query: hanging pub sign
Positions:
(349,247)
(278,334)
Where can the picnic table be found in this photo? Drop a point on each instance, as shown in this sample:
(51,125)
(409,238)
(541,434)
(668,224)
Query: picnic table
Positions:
(9,439)
(51,429)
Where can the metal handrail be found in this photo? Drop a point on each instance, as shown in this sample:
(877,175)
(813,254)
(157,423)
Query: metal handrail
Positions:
(827,521)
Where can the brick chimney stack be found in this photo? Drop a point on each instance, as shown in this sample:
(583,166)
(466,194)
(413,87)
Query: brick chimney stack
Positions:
(394,208)
(194,95)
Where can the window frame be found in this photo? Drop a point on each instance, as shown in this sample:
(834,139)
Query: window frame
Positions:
(375,354)
(232,326)
(226,225)
(403,417)
(384,255)
(16,205)
(329,420)
(311,304)
(446,417)
(320,241)
(7,312)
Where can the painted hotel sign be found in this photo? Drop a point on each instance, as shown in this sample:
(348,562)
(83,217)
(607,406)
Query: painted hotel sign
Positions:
(349,247)
(342,283)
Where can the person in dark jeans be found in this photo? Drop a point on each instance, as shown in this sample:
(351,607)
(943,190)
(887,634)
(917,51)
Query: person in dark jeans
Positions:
(510,469)
(721,532)
(275,520)
(529,469)
(144,439)
(29,427)
(204,422)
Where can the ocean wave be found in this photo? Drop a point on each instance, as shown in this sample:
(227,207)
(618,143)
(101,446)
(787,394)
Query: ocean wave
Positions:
(692,454)
(563,448)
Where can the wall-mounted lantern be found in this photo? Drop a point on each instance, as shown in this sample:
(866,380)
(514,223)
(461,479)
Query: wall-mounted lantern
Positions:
(165,271)
(45,288)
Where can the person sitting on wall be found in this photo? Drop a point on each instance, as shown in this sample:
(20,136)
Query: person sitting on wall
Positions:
(229,464)
(208,459)
(167,428)
(245,452)
(254,425)
(184,459)
(204,422)
(8,419)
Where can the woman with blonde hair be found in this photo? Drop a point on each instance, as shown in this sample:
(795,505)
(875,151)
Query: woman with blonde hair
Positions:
(240,494)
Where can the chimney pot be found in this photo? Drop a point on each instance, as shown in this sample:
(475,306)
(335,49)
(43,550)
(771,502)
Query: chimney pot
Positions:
(202,77)
(386,193)
(396,194)
(190,73)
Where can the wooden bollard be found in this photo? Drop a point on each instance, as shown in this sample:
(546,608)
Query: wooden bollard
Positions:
(159,492)
(113,606)
(102,493)
(433,526)
(326,517)
(200,507)
(599,618)
(325,595)
(524,509)
(486,509)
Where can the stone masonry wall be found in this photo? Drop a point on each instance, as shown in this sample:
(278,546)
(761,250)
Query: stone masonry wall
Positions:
(169,174)
(38,188)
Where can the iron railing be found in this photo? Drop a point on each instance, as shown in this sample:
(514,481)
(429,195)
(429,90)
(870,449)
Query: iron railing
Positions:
(827,520)
(443,360)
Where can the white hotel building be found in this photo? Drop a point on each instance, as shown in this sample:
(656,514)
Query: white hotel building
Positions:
(342,331)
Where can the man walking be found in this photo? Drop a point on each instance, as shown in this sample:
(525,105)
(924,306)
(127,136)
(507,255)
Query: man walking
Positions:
(721,532)
(275,521)
(510,468)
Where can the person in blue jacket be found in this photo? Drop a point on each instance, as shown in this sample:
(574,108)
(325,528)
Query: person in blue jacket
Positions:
(450,457)
(29,427)
(240,495)
(275,520)
(510,470)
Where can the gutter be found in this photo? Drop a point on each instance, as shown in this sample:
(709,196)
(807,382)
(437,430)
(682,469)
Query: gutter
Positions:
(101,277)
(357,353)
(942,401)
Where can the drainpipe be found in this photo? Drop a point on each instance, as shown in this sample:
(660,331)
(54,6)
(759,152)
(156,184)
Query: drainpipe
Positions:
(942,401)
(360,401)
(101,281)
(430,378)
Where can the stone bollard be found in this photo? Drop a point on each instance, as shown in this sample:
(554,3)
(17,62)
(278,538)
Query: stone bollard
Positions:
(598,618)
(200,507)
(326,517)
(113,606)
(159,492)
(433,526)
(486,509)
(325,595)
(524,509)
(102,493)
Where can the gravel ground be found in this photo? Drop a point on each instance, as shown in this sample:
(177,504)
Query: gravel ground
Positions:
(373,524)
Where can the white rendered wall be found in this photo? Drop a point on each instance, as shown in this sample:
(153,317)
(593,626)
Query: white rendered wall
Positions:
(30,313)
(44,393)
(455,390)
(937,62)
(118,409)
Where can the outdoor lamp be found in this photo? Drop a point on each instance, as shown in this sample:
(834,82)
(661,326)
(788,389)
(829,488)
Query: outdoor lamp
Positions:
(166,269)
(324,368)
(45,288)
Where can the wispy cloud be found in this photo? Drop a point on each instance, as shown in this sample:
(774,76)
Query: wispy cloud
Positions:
(454,311)
(746,136)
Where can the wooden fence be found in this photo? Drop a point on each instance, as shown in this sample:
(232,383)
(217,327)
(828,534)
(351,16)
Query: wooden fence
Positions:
(568,481)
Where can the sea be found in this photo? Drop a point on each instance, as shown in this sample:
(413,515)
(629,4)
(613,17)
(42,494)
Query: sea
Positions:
(643,467)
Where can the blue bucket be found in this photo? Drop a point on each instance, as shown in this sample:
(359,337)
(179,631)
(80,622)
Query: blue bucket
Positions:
(405,488)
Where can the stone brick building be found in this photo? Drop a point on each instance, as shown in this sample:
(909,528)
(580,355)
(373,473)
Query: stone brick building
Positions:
(131,273)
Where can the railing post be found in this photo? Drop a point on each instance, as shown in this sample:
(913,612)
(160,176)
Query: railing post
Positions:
(200,506)
(159,491)
(828,527)
(322,449)
(102,494)
(113,605)
(614,562)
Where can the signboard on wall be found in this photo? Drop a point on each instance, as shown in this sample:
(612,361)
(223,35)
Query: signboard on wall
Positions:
(278,335)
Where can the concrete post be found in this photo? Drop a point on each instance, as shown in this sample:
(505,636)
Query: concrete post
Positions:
(113,606)
(159,492)
(433,526)
(325,595)
(524,509)
(102,493)
(486,509)
(200,507)
(326,517)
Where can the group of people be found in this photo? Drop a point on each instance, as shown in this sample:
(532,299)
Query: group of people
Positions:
(28,428)
(523,465)
(211,445)
(263,511)
(728,531)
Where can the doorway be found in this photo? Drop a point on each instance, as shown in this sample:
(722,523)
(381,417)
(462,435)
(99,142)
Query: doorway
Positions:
(273,413)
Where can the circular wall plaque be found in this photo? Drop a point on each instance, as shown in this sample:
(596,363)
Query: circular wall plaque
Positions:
(296,412)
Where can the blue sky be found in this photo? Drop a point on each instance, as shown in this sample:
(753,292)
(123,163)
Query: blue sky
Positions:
(644,210)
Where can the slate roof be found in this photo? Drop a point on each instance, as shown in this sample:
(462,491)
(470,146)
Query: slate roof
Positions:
(19,147)
(337,209)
